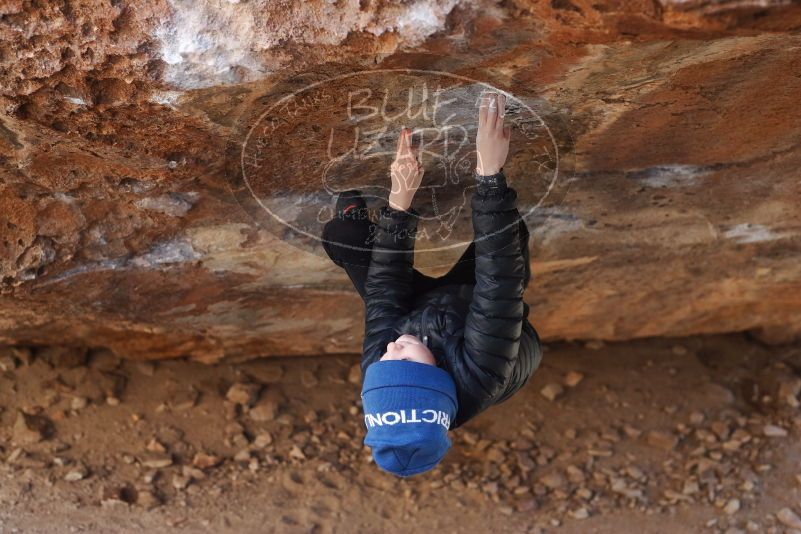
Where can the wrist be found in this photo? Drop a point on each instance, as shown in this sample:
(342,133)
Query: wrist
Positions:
(490,183)
(401,204)
(488,171)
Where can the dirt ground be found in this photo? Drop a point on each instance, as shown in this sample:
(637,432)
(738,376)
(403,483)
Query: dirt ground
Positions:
(653,436)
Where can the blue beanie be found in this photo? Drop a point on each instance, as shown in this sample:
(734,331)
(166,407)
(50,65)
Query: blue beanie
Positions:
(408,408)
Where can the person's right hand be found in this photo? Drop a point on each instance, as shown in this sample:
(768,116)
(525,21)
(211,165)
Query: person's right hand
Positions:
(492,138)
(406,172)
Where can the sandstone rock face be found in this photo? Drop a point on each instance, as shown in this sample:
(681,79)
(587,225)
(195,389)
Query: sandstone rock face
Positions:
(166,167)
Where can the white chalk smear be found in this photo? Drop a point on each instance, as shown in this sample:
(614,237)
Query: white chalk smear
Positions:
(753,233)
(217,42)
(669,175)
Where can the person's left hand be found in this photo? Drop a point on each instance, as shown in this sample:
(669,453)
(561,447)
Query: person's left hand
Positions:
(406,172)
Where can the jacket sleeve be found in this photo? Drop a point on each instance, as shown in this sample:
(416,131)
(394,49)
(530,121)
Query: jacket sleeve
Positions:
(388,289)
(493,326)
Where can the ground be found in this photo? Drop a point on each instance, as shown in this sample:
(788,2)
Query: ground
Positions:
(658,435)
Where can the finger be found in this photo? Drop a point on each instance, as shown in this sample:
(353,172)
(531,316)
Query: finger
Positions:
(501,110)
(403,143)
(492,110)
(507,132)
(482,110)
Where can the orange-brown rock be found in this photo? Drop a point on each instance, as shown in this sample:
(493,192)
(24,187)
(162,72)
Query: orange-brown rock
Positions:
(661,188)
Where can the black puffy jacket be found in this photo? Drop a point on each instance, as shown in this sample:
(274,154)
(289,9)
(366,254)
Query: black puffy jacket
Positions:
(479,334)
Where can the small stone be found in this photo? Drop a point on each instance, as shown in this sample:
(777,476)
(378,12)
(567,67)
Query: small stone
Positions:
(789,518)
(263,440)
(184,399)
(7,363)
(180,482)
(679,350)
(242,456)
(147,499)
(552,391)
(78,403)
(155,445)
(732,507)
(296,453)
(264,411)
(205,461)
(553,480)
(76,474)
(662,440)
(573,378)
(581,513)
(241,393)
(595,344)
(157,461)
(355,374)
(789,389)
(631,431)
(697,418)
(774,431)
(193,472)
(575,474)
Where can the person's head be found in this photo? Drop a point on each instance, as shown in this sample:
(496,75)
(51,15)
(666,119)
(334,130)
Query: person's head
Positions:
(409,404)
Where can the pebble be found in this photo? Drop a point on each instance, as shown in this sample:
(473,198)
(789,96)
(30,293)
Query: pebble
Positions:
(242,456)
(296,453)
(631,431)
(7,363)
(573,378)
(789,518)
(697,418)
(263,440)
(180,482)
(732,507)
(147,499)
(242,393)
(157,461)
(155,445)
(76,474)
(205,461)
(264,411)
(581,513)
(553,480)
(552,391)
(355,374)
(774,431)
(78,403)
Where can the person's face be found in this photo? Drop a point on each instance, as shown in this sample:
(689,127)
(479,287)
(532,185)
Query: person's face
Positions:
(408,347)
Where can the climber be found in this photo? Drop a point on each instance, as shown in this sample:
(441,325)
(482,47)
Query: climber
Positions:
(437,351)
